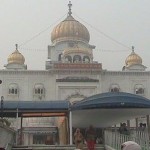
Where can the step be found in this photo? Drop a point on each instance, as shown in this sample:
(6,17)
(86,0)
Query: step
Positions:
(52,147)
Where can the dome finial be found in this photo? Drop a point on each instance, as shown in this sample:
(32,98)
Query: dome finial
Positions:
(16,46)
(132,48)
(69,5)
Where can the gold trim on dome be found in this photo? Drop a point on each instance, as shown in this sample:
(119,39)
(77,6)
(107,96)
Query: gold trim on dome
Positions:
(133,58)
(16,57)
(68,39)
(70,28)
(77,50)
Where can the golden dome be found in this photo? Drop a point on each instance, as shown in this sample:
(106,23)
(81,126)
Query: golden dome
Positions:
(133,58)
(70,29)
(16,57)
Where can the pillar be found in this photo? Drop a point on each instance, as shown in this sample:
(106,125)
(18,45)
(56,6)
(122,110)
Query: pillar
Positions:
(128,124)
(70,127)
(136,123)
(148,124)
(21,134)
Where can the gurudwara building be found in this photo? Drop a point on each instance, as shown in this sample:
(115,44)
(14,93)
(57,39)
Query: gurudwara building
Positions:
(70,74)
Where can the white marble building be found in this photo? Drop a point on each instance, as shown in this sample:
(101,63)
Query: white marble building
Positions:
(70,70)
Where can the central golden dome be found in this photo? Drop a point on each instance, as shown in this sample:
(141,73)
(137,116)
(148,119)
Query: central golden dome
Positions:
(133,58)
(70,29)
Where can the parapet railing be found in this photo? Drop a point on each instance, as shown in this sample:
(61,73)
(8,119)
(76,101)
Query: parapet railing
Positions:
(114,139)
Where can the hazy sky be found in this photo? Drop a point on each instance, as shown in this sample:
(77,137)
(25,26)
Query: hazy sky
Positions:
(114,26)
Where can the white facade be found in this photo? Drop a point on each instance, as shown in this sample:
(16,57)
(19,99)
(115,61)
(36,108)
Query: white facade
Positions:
(26,83)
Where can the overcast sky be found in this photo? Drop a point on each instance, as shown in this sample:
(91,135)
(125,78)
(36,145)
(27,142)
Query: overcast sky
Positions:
(114,26)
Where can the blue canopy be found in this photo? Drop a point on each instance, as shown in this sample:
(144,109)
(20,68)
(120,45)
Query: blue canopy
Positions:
(112,100)
(10,108)
(107,109)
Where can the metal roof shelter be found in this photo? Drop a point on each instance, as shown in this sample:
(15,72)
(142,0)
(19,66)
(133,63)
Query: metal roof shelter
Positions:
(107,109)
(112,100)
(35,108)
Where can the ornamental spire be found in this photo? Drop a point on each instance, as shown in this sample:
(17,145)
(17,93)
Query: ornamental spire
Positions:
(132,48)
(16,46)
(69,5)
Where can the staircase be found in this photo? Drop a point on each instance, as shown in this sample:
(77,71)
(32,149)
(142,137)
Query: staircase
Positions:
(53,147)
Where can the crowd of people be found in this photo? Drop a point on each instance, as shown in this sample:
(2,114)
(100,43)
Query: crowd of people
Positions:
(89,138)
(126,131)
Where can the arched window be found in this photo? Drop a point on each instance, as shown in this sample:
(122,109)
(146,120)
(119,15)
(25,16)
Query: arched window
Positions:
(39,91)
(114,88)
(68,59)
(76,59)
(86,59)
(59,57)
(13,89)
(139,89)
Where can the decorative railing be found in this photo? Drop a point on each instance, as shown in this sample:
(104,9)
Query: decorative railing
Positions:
(114,139)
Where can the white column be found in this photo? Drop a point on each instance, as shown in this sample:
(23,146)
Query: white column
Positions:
(17,127)
(70,126)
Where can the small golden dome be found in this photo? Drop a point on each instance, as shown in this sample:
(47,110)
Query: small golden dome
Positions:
(70,29)
(16,57)
(133,58)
